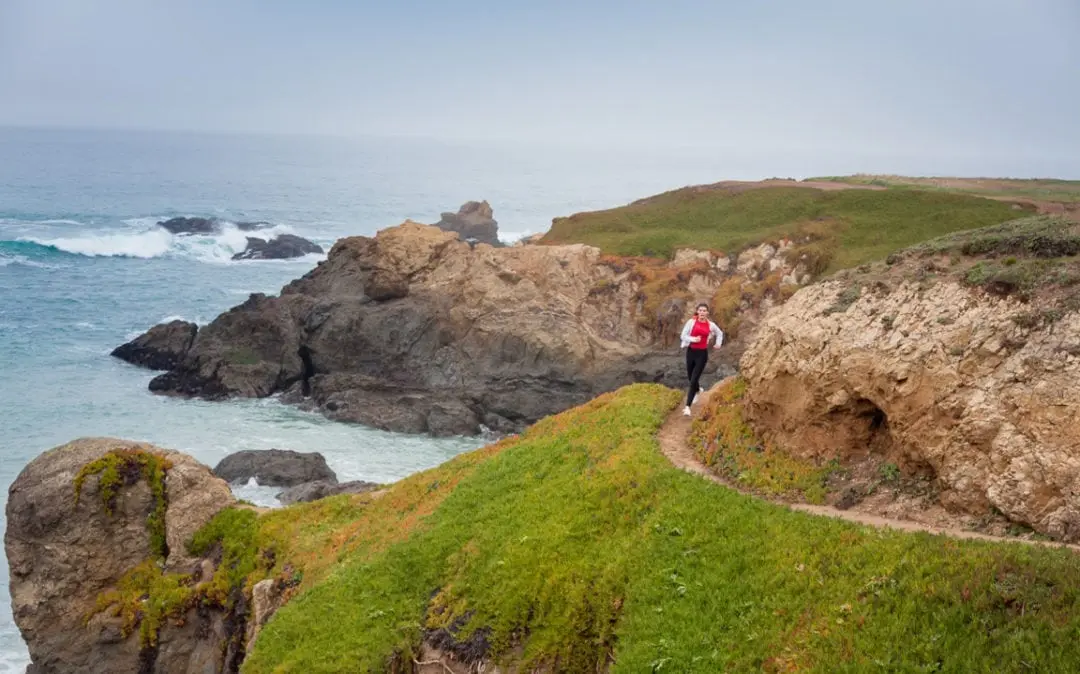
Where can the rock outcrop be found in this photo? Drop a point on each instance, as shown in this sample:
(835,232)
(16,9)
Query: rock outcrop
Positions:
(414,330)
(160,348)
(281,247)
(474,222)
(82,516)
(275,467)
(978,391)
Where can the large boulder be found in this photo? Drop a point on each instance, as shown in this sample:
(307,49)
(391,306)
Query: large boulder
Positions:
(274,467)
(66,548)
(414,330)
(281,247)
(980,392)
(161,347)
(474,221)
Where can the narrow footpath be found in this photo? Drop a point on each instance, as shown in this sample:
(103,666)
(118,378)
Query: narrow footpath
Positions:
(674,437)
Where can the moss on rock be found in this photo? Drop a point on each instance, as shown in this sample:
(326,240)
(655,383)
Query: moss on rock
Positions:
(122,467)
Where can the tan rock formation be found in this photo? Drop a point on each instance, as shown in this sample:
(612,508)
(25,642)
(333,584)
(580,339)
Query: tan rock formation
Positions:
(944,380)
(414,330)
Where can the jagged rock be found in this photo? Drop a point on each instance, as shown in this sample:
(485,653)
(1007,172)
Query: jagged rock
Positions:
(944,381)
(62,556)
(281,247)
(313,491)
(274,467)
(205,226)
(161,347)
(413,330)
(473,221)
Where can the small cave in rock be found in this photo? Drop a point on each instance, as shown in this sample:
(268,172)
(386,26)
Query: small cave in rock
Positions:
(865,427)
(309,369)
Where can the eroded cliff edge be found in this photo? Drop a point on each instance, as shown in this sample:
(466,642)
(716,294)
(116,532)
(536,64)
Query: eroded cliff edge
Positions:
(958,359)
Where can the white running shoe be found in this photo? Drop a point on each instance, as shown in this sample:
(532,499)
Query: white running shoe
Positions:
(686,411)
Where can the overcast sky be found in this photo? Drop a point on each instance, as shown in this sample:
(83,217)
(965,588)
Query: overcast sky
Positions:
(994,78)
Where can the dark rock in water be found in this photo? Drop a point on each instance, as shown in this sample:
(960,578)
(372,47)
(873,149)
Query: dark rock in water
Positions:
(473,223)
(252,226)
(161,347)
(280,247)
(313,491)
(191,225)
(274,467)
(185,225)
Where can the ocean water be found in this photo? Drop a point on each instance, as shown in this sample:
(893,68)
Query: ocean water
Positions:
(83,268)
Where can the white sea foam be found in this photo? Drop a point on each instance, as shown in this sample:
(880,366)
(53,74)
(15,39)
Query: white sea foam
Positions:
(149,244)
(14,661)
(511,237)
(7,260)
(258,494)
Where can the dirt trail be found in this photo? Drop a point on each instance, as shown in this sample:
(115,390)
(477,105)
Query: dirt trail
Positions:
(673,436)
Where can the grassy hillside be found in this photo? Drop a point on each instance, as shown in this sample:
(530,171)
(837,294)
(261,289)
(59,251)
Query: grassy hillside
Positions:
(852,226)
(1042,189)
(577,546)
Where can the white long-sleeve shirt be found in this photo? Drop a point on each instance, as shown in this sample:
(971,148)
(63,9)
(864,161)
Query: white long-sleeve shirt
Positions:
(714,329)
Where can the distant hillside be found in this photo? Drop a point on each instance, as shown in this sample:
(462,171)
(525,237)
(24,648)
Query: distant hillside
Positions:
(1044,189)
(849,224)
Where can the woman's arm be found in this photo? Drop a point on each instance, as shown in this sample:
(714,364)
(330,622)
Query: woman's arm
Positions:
(714,329)
(685,336)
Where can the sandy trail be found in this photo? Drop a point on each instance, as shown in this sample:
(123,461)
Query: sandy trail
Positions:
(674,435)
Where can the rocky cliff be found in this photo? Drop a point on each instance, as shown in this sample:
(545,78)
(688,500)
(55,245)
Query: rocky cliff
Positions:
(413,330)
(92,526)
(958,360)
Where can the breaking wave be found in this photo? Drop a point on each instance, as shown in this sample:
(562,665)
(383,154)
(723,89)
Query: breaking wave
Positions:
(141,239)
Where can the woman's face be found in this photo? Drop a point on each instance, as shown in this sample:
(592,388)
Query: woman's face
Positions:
(702,313)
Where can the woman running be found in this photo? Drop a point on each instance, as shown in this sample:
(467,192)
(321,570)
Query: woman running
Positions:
(695,339)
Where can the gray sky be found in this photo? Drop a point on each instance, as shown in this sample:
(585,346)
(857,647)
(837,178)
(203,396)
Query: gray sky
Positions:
(986,78)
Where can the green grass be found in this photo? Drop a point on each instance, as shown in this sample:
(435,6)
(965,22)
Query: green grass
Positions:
(857,225)
(578,546)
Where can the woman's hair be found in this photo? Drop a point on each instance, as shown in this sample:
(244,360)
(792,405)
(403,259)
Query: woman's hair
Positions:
(701,305)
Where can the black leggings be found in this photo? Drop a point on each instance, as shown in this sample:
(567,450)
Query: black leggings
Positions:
(695,365)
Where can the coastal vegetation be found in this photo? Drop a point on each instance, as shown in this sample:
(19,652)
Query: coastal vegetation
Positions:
(848,227)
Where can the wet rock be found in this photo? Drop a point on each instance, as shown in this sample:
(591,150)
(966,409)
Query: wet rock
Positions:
(274,467)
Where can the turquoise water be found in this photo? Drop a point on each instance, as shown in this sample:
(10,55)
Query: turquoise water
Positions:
(83,268)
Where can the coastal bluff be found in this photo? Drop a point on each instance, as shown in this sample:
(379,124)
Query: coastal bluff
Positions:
(957,360)
(414,330)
